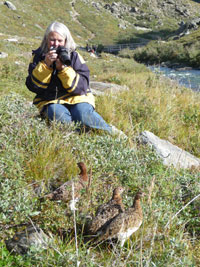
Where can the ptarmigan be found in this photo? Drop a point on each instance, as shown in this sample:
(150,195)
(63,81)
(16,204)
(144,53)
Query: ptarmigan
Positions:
(106,211)
(124,224)
(64,192)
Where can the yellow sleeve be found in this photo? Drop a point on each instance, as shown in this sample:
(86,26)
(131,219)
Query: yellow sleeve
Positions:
(41,75)
(67,77)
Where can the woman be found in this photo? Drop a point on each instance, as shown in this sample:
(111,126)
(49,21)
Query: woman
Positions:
(62,88)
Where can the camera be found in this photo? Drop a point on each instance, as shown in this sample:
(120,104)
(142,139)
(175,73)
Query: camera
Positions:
(63,54)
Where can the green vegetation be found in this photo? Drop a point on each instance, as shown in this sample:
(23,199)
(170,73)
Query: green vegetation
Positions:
(184,52)
(33,153)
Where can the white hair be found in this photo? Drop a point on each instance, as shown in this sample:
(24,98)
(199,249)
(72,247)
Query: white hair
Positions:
(61,29)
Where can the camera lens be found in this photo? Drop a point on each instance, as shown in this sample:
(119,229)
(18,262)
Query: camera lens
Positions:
(64,55)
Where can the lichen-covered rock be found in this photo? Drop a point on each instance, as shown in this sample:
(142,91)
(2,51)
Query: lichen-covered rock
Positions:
(22,241)
(99,88)
(169,153)
(10,5)
(3,55)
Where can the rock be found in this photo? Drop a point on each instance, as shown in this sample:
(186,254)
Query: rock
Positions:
(169,153)
(12,40)
(134,9)
(185,28)
(22,241)
(19,63)
(182,11)
(142,28)
(97,5)
(122,26)
(10,5)
(100,88)
(3,55)
(118,9)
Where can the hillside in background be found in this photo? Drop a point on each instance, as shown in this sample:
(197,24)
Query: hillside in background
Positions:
(107,22)
(100,22)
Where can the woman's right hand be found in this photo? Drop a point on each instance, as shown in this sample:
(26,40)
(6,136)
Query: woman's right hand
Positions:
(50,57)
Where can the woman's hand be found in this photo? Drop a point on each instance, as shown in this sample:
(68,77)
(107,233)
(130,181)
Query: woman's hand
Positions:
(59,65)
(50,57)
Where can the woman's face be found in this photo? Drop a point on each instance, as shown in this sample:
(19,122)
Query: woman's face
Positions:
(55,39)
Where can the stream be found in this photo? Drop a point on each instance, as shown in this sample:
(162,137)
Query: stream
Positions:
(187,77)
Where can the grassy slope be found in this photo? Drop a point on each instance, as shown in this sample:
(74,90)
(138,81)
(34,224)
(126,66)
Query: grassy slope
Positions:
(31,151)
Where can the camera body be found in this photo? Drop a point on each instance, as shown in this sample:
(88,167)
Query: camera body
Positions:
(63,54)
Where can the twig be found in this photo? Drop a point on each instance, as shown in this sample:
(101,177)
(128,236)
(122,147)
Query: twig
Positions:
(89,180)
(152,243)
(181,210)
(75,232)
(129,254)
(150,189)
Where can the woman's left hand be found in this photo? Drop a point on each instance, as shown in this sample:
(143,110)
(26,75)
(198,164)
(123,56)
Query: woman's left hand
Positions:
(59,65)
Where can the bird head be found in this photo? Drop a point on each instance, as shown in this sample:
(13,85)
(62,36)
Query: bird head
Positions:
(83,170)
(118,191)
(139,195)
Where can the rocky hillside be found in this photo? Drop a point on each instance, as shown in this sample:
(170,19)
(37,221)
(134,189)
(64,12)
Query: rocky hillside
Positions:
(103,22)
(149,13)
(154,18)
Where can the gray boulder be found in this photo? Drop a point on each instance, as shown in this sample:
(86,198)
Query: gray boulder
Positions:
(24,240)
(10,5)
(3,55)
(169,153)
(100,88)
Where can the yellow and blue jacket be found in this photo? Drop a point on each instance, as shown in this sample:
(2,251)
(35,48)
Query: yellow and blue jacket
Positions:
(69,86)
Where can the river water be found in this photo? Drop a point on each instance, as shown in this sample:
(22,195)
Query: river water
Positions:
(188,78)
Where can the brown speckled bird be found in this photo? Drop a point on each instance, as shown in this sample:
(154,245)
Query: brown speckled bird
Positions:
(64,192)
(124,224)
(106,211)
